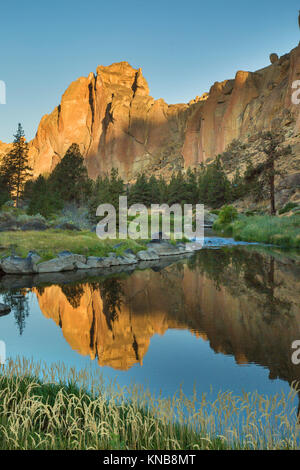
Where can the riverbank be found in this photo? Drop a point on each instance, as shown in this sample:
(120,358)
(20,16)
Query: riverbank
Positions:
(64,409)
(90,252)
(279,231)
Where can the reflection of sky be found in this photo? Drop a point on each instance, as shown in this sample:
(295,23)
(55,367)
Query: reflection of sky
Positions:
(175,358)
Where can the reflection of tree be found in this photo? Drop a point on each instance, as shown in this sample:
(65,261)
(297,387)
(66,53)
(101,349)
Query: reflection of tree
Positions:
(18,302)
(111,292)
(260,277)
(73,294)
(228,267)
(212,263)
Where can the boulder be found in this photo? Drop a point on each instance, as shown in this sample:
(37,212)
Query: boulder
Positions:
(126,259)
(273,58)
(56,265)
(164,248)
(18,265)
(147,255)
(71,257)
(95,262)
(4,310)
(66,261)
(209,218)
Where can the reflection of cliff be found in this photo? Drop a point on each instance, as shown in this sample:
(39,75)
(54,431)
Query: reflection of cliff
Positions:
(112,320)
(246,305)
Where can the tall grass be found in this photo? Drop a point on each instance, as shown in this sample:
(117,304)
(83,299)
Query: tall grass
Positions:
(65,409)
(281,231)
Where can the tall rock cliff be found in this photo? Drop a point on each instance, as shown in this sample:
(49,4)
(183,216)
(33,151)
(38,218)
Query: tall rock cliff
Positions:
(117,123)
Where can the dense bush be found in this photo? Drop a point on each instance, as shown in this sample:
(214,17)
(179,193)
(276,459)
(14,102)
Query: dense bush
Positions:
(227,215)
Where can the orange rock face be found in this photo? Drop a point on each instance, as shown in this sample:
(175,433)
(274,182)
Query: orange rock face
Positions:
(117,123)
(113,119)
(237,108)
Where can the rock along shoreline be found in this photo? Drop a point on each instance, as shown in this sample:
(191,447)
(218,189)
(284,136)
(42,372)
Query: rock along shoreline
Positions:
(67,261)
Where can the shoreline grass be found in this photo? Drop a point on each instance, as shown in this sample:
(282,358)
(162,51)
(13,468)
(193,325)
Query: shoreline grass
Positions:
(56,407)
(280,231)
(48,244)
(51,242)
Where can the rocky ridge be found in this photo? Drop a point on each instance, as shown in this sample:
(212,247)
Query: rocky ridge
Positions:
(116,123)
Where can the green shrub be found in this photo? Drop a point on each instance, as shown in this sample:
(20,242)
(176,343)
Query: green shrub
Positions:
(289,206)
(227,215)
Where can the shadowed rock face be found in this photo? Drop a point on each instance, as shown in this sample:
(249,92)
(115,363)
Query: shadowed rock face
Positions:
(245,305)
(117,123)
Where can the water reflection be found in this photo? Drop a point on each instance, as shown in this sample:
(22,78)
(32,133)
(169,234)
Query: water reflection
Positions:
(18,303)
(244,303)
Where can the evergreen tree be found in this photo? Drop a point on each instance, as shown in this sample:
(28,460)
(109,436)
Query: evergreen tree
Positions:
(271,145)
(42,199)
(192,189)
(106,190)
(116,188)
(4,191)
(69,178)
(237,186)
(140,192)
(15,169)
(177,190)
(217,185)
(163,194)
(154,190)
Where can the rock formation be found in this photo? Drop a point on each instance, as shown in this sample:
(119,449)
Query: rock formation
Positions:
(117,123)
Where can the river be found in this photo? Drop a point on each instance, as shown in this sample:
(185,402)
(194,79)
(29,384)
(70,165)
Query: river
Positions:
(223,319)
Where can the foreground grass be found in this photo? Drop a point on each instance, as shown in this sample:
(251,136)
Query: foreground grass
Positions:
(36,414)
(51,242)
(281,231)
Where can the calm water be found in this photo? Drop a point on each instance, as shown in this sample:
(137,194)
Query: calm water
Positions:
(225,318)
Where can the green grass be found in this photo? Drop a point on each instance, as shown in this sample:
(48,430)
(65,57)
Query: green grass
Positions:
(56,407)
(51,242)
(281,231)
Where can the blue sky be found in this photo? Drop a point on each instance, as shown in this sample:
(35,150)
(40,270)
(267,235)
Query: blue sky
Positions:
(183,47)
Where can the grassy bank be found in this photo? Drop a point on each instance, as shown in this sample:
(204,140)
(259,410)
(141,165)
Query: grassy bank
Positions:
(37,414)
(281,231)
(51,242)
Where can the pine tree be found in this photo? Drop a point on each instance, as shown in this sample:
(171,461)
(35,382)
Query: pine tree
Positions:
(192,186)
(15,169)
(177,190)
(154,190)
(218,185)
(42,199)
(106,190)
(237,186)
(69,178)
(271,145)
(162,190)
(140,192)
(4,191)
